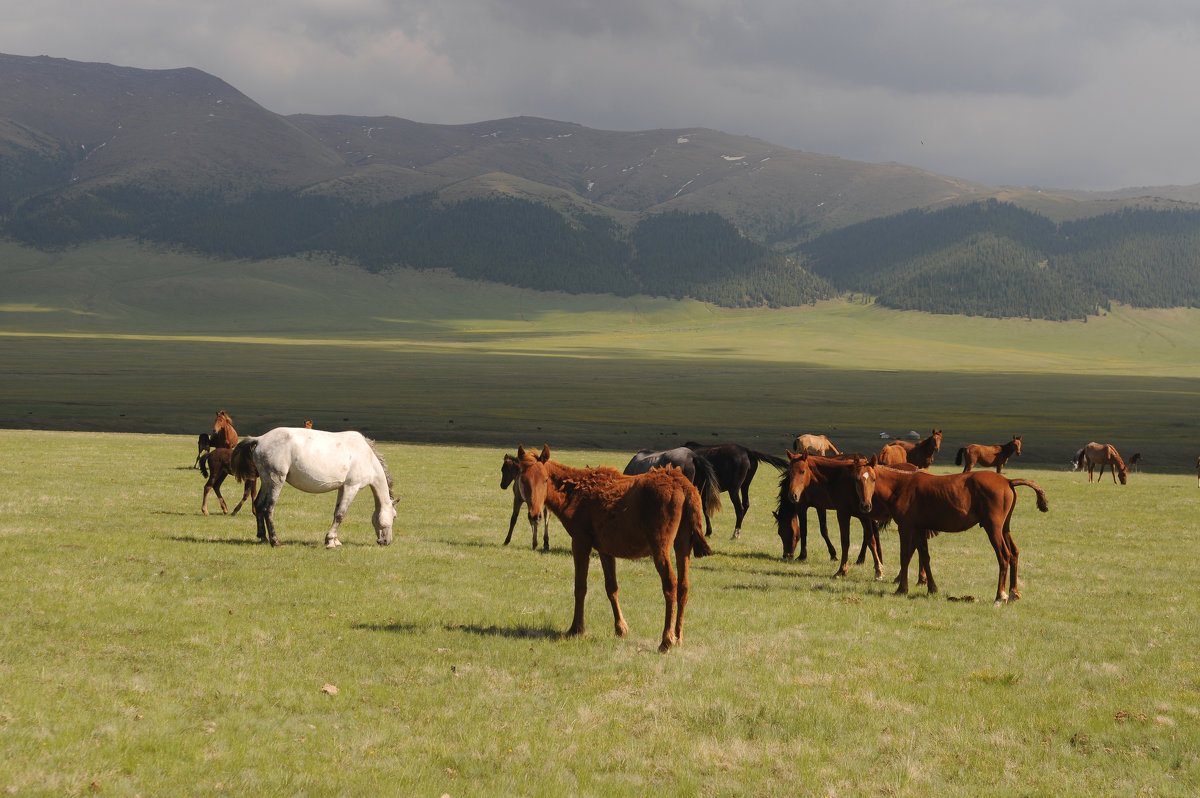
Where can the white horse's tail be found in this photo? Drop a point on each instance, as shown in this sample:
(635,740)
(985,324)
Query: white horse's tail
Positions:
(241,461)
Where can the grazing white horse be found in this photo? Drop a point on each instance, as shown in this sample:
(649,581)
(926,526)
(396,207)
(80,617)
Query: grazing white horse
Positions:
(814,444)
(316,461)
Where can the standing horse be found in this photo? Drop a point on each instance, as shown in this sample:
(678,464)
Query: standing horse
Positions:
(698,470)
(316,461)
(203,443)
(826,484)
(1103,455)
(925,504)
(509,472)
(814,444)
(735,465)
(621,516)
(214,465)
(919,453)
(987,456)
(224,436)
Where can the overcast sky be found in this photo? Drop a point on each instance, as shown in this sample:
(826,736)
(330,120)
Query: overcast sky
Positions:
(1090,94)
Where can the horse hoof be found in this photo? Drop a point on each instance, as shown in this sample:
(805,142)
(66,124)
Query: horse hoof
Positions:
(332,544)
(622,629)
(664,647)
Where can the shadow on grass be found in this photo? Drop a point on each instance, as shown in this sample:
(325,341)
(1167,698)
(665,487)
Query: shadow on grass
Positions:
(312,544)
(519,632)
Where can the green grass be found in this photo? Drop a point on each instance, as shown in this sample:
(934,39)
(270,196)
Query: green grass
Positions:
(150,650)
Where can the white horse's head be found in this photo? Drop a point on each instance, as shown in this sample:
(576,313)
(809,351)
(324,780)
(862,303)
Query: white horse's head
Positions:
(383,519)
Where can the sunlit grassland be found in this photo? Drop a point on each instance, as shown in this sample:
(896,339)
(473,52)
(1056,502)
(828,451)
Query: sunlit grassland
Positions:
(150,650)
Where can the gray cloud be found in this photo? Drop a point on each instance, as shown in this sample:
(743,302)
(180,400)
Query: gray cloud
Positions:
(1071,93)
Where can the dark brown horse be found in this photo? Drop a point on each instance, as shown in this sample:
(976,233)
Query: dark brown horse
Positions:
(979,454)
(925,504)
(735,465)
(920,454)
(826,484)
(214,465)
(509,472)
(621,516)
(224,436)
(1103,455)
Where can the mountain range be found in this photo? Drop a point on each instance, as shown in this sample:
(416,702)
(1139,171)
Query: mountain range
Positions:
(179,156)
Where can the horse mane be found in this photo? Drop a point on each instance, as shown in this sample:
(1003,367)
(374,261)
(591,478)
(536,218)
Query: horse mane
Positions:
(383,464)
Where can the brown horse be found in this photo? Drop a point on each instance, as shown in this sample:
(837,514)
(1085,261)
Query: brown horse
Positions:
(1198,472)
(224,436)
(814,444)
(826,484)
(621,516)
(1103,455)
(214,465)
(509,472)
(978,454)
(925,504)
(920,454)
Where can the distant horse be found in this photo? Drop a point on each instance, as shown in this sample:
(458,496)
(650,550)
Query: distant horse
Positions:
(826,484)
(925,504)
(1198,472)
(308,425)
(1135,461)
(214,465)
(987,456)
(203,444)
(698,470)
(919,453)
(814,444)
(1103,455)
(509,472)
(316,461)
(735,465)
(224,436)
(621,516)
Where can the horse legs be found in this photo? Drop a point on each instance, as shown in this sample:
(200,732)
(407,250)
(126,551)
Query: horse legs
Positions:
(740,506)
(682,563)
(870,543)
(346,495)
(608,564)
(582,553)
(662,562)
(906,552)
(545,530)
(512,522)
(923,559)
(214,484)
(844,531)
(248,492)
(264,506)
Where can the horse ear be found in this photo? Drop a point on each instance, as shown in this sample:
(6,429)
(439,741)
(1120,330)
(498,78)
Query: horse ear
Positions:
(520,452)
(872,462)
(793,456)
(545,452)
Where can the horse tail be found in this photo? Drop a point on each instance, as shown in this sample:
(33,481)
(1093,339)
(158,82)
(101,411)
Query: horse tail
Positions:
(693,522)
(203,463)
(241,460)
(763,457)
(1079,457)
(1041,494)
(831,446)
(708,485)
(958,458)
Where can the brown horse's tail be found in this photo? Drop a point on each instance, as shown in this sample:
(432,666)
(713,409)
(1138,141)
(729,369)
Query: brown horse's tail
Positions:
(1041,494)
(241,461)
(693,523)
(958,458)
(202,461)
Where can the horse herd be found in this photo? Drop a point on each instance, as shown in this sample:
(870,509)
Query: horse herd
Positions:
(664,501)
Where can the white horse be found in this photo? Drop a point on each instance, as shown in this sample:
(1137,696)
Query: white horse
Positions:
(814,444)
(316,461)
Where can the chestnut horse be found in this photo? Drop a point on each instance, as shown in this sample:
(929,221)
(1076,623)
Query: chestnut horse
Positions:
(224,436)
(826,484)
(1103,455)
(621,516)
(925,504)
(509,472)
(814,444)
(920,454)
(214,465)
(978,454)
(735,465)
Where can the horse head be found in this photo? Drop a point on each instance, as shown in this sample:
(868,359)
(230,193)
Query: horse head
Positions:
(534,480)
(797,476)
(864,482)
(1017,445)
(509,471)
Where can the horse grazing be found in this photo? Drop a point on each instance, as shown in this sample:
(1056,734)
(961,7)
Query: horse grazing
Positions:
(1103,455)
(214,465)
(224,436)
(814,444)
(735,466)
(316,461)
(621,516)
(826,484)
(978,454)
(509,472)
(698,470)
(925,504)
(919,453)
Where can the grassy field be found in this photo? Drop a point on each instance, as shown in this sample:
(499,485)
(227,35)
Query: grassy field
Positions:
(150,650)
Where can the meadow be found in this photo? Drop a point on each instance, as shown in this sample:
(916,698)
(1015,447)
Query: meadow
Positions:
(149,650)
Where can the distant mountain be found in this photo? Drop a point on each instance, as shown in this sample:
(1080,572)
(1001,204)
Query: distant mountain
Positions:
(90,151)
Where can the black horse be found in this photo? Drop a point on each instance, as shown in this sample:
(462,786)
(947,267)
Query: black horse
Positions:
(697,469)
(735,465)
